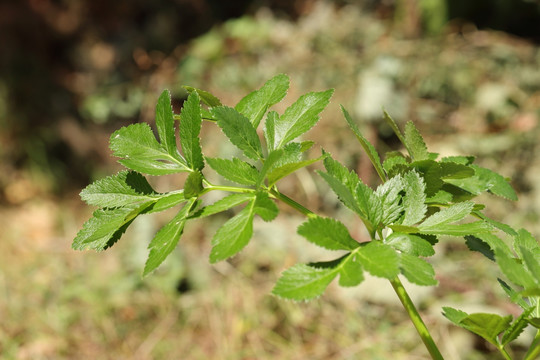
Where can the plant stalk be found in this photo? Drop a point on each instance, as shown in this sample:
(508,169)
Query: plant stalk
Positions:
(416,319)
(534,349)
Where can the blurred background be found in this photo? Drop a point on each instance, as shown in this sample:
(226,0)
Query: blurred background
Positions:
(71,72)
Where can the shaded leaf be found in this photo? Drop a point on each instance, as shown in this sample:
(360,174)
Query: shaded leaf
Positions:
(165,123)
(513,269)
(516,328)
(205,96)
(351,271)
(265,207)
(193,185)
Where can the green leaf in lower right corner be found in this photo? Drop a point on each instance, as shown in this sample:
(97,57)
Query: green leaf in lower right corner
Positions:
(488,326)
(304,282)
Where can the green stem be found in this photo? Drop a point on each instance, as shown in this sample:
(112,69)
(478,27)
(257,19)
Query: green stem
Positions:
(504,353)
(534,349)
(416,319)
(287,200)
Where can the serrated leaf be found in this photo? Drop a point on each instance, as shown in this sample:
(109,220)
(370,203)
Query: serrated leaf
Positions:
(431,172)
(270,129)
(271,160)
(416,270)
(124,188)
(167,201)
(234,235)
(476,244)
(300,117)
(394,127)
(516,328)
(393,161)
(452,170)
(165,123)
(337,170)
(448,215)
(531,262)
(304,282)
(328,233)
(514,296)
(255,104)
(535,321)
(369,204)
(410,244)
(414,199)
(190,128)
(106,226)
(513,269)
(239,131)
(140,151)
(485,180)
(462,160)
(440,197)
(351,272)
(390,198)
(366,145)
(224,204)
(524,239)
(379,260)
(193,185)
(280,172)
(265,207)
(473,228)
(488,326)
(343,192)
(415,143)
(166,239)
(235,170)
(205,96)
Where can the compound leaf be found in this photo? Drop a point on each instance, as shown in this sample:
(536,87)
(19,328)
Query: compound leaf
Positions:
(300,116)
(124,188)
(166,239)
(140,151)
(255,104)
(239,131)
(235,170)
(190,128)
(379,260)
(328,233)
(304,282)
(414,199)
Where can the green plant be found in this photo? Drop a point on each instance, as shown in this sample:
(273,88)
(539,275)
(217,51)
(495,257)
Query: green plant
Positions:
(421,198)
